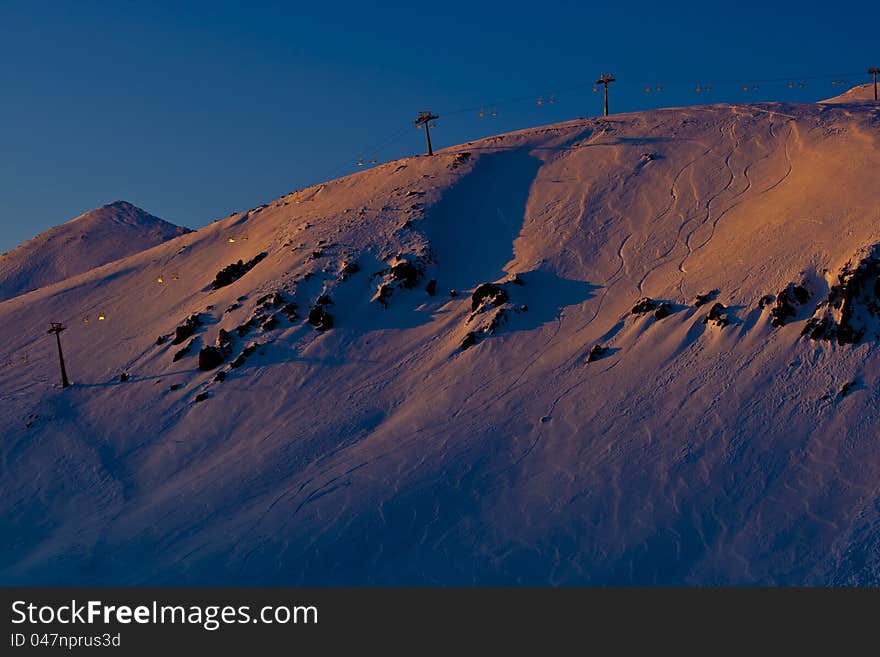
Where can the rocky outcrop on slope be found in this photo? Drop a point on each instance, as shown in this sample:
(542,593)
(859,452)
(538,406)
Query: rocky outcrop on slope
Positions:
(403,272)
(851,312)
(717,316)
(231,273)
(187,328)
(492,305)
(787,302)
(661,309)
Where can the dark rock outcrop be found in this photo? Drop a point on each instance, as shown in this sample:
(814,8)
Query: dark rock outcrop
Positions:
(703,299)
(786,303)
(663,310)
(405,273)
(488,293)
(182,352)
(717,315)
(469,340)
(644,305)
(236,270)
(851,313)
(187,328)
(597,352)
(290,310)
(320,318)
(766,300)
(211,358)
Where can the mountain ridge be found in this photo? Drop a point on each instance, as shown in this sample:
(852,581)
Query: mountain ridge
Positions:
(423,437)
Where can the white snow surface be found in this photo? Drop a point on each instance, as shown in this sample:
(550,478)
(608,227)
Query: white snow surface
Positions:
(862,93)
(379,452)
(102,235)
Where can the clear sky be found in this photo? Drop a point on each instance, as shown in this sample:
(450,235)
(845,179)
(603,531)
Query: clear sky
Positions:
(194,109)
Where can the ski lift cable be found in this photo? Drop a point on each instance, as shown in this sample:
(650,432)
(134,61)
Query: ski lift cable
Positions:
(795,81)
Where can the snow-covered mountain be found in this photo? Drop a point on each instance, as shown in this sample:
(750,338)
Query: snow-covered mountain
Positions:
(95,238)
(640,349)
(862,93)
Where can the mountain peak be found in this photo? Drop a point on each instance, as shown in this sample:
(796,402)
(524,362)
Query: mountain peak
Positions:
(94,238)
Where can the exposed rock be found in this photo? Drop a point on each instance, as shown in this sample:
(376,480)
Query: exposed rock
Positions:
(766,300)
(406,273)
(324,300)
(270,323)
(243,329)
(644,305)
(663,310)
(383,293)
(123,377)
(852,311)
(320,318)
(175,386)
(460,159)
(793,295)
(211,358)
(161,339)
(350,267)
(187,328)
(202,396)
(488,293)
(596,353)
(703,299)
(182,352)
(469,340)
(453,293)
(847,388)
(290,310)
(717,315)
(233,272)
(431,287)
(220,377)
(224,339)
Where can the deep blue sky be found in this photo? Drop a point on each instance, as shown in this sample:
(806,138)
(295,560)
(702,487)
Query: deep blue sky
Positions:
(194,109)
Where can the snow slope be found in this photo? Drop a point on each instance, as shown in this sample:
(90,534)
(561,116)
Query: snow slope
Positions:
(90,240)
(381,452)
(862,93)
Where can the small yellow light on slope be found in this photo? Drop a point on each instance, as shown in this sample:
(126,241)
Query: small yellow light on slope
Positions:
(160,280)
(231,240)
(101,318)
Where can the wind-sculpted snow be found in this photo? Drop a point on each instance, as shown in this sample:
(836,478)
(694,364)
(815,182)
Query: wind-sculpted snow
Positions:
(572,356)
(93,239)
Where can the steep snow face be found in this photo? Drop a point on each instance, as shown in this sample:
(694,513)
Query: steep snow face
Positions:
(95,238)
(565,355)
